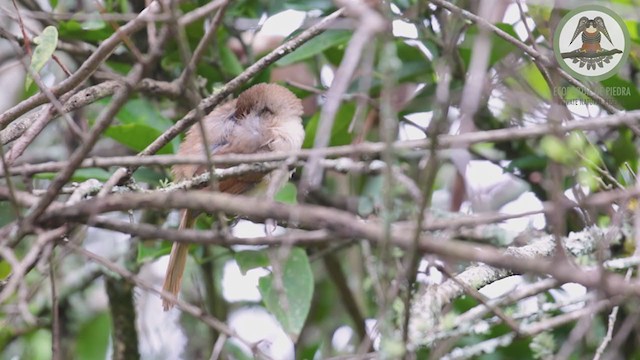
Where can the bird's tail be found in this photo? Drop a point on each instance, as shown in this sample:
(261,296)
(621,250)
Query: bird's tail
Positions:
(177,262)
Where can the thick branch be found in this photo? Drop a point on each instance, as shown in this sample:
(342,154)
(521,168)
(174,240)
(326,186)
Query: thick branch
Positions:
(341,222)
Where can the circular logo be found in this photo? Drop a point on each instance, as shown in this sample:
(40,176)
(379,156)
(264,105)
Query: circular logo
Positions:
(591,42)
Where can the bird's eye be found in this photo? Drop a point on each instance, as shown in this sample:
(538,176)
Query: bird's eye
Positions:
(266,111)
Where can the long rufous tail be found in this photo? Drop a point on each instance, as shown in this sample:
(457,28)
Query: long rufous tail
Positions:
(177,262)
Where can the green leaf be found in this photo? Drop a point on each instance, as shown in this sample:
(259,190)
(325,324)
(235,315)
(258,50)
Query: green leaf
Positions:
(7,215)
(230,62)
(47,43)
(93,31)
(288,194)
(119,67)
(5,269)
(148,175)
(556,149)
(80,175)
(141,111)
(634,30)
(415,64)
(137,137)
(534,77)
(527,162)
(624,149)
(38,345)
(371,195)
(152,250)
(339,134)
(315,46)
(92,340)
(235,352)
(313,351)
(499,49)
(297,281)
(141,123)
(423,100)
(251,259)
(623,92)
(307,5)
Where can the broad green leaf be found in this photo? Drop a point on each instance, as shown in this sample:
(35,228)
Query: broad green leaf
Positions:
(312,351)
(307,5)
(93,31)
(171,62)
(315,46)
(152,250)
(288,194)
(136,136)
(5,269)
(415,64)
(230,62)
(339,134)
(141,111)
(535,79)
(234,351)
(92,341)
(38,345)
(371,195)
(576,141)
(499,47)
(556,149)
(624,149)
(541,14)
(210,73)
(80,175)
(119,67)
(297,280)
(7,214)
(247,8)
(634,30)
(423,100)
(625,93)
(47,43)
(148,175)
(142,118)
(527,162)
(251,259)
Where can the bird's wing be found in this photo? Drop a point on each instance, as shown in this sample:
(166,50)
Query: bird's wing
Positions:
(193,143)
(225,136)
(237,145)
(582,24)
(602,28)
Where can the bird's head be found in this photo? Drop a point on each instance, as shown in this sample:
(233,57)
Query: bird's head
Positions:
(270,102)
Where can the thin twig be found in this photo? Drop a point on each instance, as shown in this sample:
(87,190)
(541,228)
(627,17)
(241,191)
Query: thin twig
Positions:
(55,312)
(87,68)
(370,23)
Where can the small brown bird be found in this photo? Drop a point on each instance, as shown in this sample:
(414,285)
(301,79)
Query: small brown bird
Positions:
(264,118)
(591,30)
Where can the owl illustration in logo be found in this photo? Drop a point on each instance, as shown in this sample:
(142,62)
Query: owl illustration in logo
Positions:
(591,53)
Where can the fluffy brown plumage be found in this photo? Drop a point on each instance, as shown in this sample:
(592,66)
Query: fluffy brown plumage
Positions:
(264,118)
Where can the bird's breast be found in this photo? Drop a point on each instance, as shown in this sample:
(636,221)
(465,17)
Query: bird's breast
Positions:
(287,136)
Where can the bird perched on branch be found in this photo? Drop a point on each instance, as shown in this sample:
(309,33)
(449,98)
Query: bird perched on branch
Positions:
(591,30)
(264,118)
(591,54)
